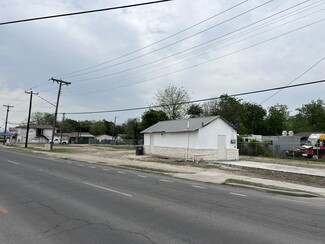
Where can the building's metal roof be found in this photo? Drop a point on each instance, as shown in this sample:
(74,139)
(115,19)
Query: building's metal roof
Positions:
(81,135)
(182,125)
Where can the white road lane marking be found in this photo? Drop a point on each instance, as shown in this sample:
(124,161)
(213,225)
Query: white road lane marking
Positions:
(200,187)
(92,167)
(12,162)
(142,176)
(121,172)
(80,165)
(107,189)
(105,169)
(69,163)
(166,180)
(237,194)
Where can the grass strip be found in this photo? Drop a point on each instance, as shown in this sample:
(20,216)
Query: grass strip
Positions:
(248,183)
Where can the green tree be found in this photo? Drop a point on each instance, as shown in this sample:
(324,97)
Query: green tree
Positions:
(195,111)
(133,129)
(210,108)
(110,127)
(230,108)
(152,117)
(277,119)
(84,125)
(253,119)
(310,117)
(70,125)
(226,106)
(42,118)
(172,99)
(97,128)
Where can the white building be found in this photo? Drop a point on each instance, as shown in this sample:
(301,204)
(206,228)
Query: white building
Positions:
(37,133)
(208,138)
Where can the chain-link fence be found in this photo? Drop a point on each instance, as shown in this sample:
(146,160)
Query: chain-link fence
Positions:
(269,149)
(117,142)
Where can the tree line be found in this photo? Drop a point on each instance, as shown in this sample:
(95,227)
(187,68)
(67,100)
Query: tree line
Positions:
(248,118)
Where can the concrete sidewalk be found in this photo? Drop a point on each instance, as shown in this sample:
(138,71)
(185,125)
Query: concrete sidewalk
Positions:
(217,177)
(276,167)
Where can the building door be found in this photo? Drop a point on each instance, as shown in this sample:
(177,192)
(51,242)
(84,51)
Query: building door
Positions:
(222,152)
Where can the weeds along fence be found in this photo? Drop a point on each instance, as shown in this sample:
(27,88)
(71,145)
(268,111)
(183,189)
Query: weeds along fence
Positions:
(129,142)
(268,149)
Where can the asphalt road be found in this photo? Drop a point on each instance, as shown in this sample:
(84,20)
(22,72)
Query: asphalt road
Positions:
(44,200)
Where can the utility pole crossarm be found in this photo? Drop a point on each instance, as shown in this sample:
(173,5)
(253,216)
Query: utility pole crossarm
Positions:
(60,81)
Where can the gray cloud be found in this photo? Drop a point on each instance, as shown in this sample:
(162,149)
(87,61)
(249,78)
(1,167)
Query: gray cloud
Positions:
(33,52)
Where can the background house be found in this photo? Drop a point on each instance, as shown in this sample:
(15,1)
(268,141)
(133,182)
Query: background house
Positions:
(207,138)
(37,133)
(80,137)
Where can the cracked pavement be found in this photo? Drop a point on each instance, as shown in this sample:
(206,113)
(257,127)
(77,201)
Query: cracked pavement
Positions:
(55,201)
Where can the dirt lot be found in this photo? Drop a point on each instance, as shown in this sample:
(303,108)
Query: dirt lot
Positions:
(114,156)
(117,155)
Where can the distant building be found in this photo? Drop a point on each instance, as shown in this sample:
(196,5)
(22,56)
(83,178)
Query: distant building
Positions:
(37,133)
(80,137)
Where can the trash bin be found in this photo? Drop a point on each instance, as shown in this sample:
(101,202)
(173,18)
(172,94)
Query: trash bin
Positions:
(139,150)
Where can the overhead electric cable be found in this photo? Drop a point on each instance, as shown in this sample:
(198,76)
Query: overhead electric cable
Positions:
(208,61)
(83,12)
(181,40)
(159,67)
(299,76)
(46,100)
(196,46)
(154,43)
(198,100)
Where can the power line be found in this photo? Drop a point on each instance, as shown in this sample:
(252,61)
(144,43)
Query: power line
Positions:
(83,12)
(183,51)
(202,63)
(46,100)
(199,100)
(303,73)
(181,40)
(154,43)
(173,55)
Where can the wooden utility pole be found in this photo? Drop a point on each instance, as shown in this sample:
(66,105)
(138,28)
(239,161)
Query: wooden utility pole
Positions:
(4,137)
(30,109)
(62,125)
(60,82)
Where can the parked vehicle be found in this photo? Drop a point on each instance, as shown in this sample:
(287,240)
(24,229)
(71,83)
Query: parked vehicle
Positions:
(314,147)
(57,141)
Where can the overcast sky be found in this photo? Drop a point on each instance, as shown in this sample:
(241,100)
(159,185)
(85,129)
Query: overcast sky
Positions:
(103,55)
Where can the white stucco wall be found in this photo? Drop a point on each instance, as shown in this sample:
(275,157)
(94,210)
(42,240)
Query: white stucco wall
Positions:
(21,135)
(200,144)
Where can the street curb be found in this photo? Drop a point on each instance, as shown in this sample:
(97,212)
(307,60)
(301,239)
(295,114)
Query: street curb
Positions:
(269,190)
